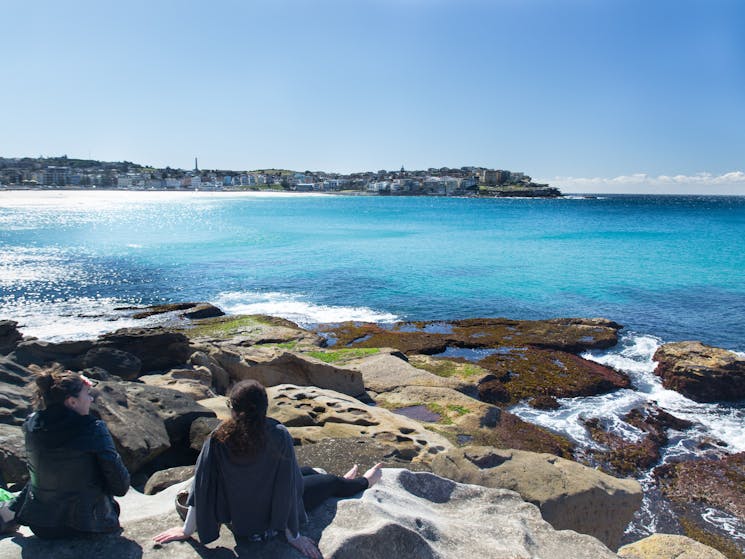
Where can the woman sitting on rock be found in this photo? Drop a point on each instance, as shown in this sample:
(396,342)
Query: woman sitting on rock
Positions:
(73,466)
(247,476)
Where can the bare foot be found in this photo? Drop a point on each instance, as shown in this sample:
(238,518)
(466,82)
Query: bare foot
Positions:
(351,474)
(373,475)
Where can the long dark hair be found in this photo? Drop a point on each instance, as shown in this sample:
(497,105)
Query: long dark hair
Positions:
(54,385)
(244,434)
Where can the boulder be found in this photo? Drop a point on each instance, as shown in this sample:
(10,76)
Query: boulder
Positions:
(668,546)
(700,372)
(157,348)
(570,496)
(272,366)
(175,409)
(312,415)
(15,397)
(385,372)
(138,431)
(38,352)
(13,465)
(9,336)
(165,478)
(115,361)
(200,429)
(407,515)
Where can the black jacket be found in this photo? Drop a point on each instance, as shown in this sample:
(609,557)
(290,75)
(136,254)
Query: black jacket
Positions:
(74,473)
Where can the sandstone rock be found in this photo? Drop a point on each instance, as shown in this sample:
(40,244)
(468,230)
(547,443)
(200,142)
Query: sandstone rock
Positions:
(407,515)
(9,336)
(220,377)
(700,372)
(165,478)
(668,546)
(570,496)
(13,463)
(194,382)
(158,349)
(396,384)
(312,415)
(117,362)
(15,397)
(273,366)
(384,372)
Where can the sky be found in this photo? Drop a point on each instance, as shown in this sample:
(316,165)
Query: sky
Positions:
(588,95)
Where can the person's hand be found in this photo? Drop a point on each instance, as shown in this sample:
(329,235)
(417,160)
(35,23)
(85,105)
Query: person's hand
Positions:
(306,546)
(171,535)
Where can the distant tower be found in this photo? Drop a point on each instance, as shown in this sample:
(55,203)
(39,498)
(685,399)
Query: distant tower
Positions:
(196,165)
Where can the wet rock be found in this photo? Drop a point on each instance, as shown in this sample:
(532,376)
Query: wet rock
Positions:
(717,483)
(620,456)
(117,362)
(529,372)
(564,334)
(191,310)
(272,366)
(668,546)
(493,391)
(165,478)
(13,463)
(700,372)
(9,336)
(569,495)
(158,349)
(544,403)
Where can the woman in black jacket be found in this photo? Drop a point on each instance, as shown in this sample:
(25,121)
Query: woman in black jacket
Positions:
(74,468)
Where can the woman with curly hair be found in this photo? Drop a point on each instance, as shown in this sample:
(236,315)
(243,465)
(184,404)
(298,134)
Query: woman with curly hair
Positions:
(247,477)
(74,469)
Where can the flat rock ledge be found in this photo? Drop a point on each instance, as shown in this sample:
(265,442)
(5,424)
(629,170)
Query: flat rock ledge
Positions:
(668,546)
(412,515)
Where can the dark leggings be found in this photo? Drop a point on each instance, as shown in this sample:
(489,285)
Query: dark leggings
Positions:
(319,487)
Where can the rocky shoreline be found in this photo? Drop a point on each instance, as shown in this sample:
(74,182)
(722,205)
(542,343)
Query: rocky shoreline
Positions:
(427,397)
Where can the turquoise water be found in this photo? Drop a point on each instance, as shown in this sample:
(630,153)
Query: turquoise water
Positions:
(671,267)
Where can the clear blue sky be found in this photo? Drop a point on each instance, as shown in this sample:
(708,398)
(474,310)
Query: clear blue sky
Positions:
(591,95)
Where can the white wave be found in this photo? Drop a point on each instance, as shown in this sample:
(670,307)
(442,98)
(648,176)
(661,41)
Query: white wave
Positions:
(293,307)
(633,355)
(72,319)
(731,525)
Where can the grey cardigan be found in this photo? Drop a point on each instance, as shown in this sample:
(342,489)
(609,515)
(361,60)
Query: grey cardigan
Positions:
(253,496)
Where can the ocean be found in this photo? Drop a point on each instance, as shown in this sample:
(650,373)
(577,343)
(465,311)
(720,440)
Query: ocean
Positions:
(668,268)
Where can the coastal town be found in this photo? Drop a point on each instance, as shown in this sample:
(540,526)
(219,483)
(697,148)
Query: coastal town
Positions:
(83,174)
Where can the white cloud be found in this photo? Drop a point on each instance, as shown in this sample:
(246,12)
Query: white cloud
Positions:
(700,183)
